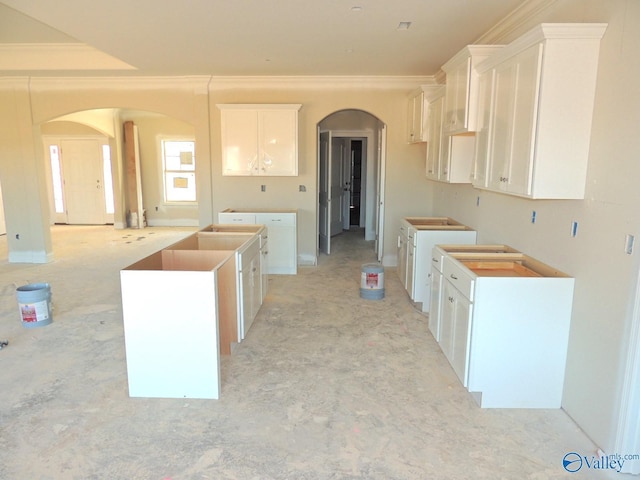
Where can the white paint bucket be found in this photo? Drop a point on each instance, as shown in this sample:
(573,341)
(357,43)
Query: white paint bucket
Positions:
(372,282)
(34,304)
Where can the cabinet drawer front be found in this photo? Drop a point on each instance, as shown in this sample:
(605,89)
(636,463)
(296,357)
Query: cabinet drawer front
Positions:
(276,219)
(236,218)
(459,277)
(437,258)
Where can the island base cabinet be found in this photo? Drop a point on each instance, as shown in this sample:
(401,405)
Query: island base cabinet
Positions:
(171,333)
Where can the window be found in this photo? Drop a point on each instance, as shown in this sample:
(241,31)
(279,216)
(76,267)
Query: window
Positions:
(108,179)
(56,173)
(179,165)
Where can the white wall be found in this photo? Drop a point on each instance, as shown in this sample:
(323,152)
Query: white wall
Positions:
(605,274)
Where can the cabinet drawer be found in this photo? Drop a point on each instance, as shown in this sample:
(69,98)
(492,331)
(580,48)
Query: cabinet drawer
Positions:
(437,258)
(276,219)
(236,217)
(459,277)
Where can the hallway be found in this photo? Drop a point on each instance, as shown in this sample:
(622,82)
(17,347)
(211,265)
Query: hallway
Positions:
(326,385)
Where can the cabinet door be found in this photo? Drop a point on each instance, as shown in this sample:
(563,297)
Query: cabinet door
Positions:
(239,131)
(447,319)
(417,119)
(524,120)
(436,109)
(482,152)
(411,266)
(402,256)
(461,336)
(278,133)
(264,267)
(515,112)
(457,97)
(436,302)
(502,139)
(282,234)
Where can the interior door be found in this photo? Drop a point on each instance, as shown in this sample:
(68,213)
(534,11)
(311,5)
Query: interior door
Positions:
(347,184)
(336,184)
(381,168)
(324,207)
(82,167)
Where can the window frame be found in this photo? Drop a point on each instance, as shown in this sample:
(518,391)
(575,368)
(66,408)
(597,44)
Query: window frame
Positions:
(164,139)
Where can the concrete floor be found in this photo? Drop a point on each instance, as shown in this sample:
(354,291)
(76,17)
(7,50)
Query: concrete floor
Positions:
(326,385)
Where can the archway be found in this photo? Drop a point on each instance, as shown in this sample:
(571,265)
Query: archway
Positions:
(351,158)
(153,133)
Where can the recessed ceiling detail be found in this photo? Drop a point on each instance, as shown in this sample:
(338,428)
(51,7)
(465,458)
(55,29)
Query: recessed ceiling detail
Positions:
(233,38)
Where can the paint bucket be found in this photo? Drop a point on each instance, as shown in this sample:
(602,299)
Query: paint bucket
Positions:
(372,282)
(34,304)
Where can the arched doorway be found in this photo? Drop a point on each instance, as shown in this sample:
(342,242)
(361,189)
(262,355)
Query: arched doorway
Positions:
(351,157)
(156,186)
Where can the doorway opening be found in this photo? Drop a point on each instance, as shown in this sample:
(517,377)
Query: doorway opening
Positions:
(80,179)
(351,157)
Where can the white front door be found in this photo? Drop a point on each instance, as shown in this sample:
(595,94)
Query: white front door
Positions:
(82,170)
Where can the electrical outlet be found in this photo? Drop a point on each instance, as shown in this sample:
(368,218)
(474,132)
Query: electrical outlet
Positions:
(574,229)
(533,217)
(628,246)
(477,201)
(263,188)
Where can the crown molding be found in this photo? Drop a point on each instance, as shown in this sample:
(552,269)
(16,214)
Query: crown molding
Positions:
(196,83)
(201,84)
(321,82)
(503,31)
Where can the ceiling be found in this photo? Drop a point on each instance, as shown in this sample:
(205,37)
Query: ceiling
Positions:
(239,37)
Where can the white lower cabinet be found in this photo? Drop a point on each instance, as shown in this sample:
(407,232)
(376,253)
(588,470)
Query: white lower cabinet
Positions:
(282,235)
(456,321)
(504,327)
(251,285)
(402,254)
(414,254)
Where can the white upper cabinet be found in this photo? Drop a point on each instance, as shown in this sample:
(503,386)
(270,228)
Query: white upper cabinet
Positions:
(535,108)
(449,157)
(462,88)
(417,118)
(418,112)
(259,139)
(436,109)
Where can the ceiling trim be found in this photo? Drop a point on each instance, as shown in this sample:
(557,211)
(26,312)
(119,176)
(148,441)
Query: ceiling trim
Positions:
(321,82)
(203,83)
(502,31)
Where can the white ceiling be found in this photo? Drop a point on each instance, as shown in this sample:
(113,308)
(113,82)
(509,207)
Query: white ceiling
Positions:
(239,37)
